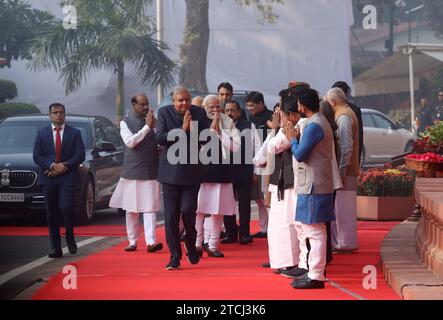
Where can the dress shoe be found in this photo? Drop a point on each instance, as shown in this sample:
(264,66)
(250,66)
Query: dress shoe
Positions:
(173,264)
(199,252)
(215,254)
(294,273)
(307,283)
(245,240)
(228,240)
(72,247)
(260,234)
(131,248)
(266,265)
(206,247)
(55,254)
(194,257)
(155,247)
(343,251)
(222,234)
(280,270)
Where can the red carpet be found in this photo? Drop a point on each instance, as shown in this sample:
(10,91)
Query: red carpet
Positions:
(115,274)
(83,231)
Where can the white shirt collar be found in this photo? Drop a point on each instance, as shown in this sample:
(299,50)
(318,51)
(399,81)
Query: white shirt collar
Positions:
(62,127)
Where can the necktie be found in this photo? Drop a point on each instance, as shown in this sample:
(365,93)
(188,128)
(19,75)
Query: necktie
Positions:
(58,145)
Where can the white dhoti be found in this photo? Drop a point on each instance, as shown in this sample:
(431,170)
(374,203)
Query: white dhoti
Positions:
(283,242)
(216,199)
(344,228)
(138,196)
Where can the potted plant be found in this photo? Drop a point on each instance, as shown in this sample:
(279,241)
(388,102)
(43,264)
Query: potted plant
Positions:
(385,194)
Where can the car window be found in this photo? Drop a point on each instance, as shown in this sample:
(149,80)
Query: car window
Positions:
(20,136)
(111,133)
(98,133)
(381,122)
(367,120)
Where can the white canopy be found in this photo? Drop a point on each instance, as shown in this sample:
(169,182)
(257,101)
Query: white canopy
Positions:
(400,72)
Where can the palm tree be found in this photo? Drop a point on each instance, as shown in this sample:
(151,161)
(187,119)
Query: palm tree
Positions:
(110,35)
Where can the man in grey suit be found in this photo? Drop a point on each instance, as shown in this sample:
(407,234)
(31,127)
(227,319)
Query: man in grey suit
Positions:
(180,179)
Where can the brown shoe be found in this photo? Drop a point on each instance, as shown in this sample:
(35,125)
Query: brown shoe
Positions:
(131,248)
(155,247)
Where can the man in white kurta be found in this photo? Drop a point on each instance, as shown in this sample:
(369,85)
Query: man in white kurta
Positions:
(138,190)
(216,195)
(283,241)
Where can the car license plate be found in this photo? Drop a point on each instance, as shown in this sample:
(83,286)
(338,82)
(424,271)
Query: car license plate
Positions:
(12,197)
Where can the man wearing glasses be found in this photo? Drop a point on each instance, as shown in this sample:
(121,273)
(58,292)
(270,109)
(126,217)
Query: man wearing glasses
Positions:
(58,151)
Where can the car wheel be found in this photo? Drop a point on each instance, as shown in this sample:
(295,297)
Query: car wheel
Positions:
(362,157)
(409,146)
(87,200)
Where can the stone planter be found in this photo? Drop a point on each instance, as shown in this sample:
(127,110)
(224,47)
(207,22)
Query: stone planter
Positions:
(384,208)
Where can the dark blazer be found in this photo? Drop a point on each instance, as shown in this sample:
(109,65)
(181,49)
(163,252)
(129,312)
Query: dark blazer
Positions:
(73,153)
(187,173)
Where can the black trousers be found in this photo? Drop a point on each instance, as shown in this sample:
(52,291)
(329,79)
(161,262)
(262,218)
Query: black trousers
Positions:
(180,200)
(243,191)
(59,198)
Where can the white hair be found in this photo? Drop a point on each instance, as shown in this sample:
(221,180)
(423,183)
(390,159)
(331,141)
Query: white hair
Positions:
(179,89)
(337,94)
(208,98)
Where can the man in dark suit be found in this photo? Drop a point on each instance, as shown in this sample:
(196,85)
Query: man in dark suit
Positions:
(180,171)
(58,151)
(243,176)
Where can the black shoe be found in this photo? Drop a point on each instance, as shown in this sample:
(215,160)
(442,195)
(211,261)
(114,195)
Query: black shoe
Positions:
(215,254)
(266,265)
(55,254)
(280,270)
(245,240)
(260,234)
(222,234)
(199,252)
(131,248)
(72,247)
(155,247)
(307,283)
(206,247)
(294,273)
(228,240)
(173,264)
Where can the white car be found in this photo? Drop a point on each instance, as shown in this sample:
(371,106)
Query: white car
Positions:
(383,139)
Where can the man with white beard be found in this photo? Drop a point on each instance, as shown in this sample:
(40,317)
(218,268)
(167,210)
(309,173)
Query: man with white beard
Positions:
(216,195)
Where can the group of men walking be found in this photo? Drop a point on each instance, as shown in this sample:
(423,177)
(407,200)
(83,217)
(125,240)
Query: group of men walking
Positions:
(208,157)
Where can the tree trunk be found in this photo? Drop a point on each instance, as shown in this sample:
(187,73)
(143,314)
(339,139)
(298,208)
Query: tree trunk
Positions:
(119,103)
(194,49)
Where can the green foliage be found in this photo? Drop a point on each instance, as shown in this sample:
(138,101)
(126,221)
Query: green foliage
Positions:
(19,24)
(109,33)
(12,109)
(8,90)
(431,140)
(386,183)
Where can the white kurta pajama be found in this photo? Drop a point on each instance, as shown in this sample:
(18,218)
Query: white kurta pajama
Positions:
(137,196)
(217,199)
(283,239)
(344,228)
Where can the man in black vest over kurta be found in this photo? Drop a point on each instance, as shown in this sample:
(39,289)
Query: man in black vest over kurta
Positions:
(138,190)
(180,171)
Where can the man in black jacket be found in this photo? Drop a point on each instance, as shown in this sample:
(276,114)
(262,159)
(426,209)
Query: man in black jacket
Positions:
(180,171)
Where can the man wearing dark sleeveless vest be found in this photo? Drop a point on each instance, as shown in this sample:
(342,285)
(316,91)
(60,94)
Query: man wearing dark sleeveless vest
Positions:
(138,189)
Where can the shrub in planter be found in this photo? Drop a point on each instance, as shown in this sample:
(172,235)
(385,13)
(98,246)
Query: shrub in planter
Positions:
(12,109)
(8,90)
